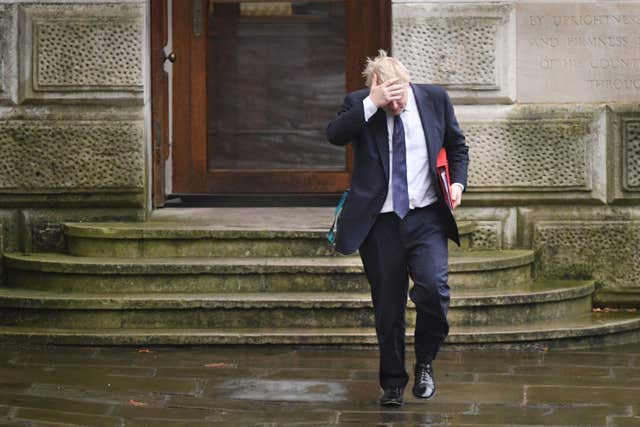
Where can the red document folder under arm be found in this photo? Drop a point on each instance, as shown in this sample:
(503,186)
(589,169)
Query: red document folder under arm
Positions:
(442,168)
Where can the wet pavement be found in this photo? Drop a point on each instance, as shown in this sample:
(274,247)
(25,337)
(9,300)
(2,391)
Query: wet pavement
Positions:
(264,386)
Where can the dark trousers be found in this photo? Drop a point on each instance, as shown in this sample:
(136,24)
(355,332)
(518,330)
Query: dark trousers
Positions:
(394,249)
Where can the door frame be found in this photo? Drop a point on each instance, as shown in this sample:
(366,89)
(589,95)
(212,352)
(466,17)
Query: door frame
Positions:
(189,163)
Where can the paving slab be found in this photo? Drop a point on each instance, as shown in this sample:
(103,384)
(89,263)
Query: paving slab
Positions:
(557,415)
(533,379)
(311,386)
(536,394)
(27,400)
(53,416)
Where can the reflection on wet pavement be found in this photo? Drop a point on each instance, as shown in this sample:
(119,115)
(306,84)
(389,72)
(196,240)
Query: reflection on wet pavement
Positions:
(237,386)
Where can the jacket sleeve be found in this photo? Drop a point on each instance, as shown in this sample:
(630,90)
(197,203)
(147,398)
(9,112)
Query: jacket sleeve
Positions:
(456,146)
(348,122)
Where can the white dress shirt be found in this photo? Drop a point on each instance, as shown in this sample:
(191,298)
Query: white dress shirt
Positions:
(420,185)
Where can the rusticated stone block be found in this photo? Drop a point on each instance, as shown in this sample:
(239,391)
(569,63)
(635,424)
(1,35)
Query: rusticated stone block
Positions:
(43,229)
(631,138)
(9,229)
(430,49)
(531,154)
(527,154)
(8,235)
(608,250)
(486,236)
(464,47)
(82,51)
(74,156)
(599,242)
(494,228)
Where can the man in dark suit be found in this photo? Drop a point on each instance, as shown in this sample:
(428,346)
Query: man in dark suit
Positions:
(395,212)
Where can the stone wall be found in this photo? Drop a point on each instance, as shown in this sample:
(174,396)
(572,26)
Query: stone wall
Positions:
(548,95)
(72,132)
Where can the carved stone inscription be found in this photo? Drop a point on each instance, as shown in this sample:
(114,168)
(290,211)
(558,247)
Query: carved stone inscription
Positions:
(578,52)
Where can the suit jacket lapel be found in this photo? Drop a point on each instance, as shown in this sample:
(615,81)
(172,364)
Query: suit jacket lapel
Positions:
(427,112)
(381,133)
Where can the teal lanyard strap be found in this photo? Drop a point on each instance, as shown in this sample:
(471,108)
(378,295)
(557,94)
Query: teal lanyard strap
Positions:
(331,236)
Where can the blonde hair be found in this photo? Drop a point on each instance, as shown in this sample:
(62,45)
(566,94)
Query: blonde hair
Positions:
(385,67)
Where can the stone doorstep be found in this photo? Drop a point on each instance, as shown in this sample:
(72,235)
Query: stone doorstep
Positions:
(184,230)
(578,332)
(276,309)
(479,261)
(145,240)
(541,291)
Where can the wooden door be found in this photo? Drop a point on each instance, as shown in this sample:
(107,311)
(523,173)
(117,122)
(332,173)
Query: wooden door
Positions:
(159,100)
(254,85)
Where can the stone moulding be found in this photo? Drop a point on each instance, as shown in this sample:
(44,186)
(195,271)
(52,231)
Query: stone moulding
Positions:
(3,48)
(467,48)
(624,153)
(7,54)
(81,52)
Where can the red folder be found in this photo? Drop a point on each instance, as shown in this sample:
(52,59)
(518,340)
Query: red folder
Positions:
(442,168)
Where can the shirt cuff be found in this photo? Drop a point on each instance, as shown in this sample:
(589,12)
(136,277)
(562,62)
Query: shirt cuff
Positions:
(461,186)
(369,108)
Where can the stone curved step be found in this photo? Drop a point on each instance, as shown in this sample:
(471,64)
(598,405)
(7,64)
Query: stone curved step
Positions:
(545,300)
(176,239)
(586,331)
(55,271)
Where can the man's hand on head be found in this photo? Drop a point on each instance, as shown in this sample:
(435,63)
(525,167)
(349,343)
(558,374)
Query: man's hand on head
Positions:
(384,93)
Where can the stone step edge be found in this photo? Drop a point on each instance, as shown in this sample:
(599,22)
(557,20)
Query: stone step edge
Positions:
(478,261)
(35,299)
(181,231)
(541,331)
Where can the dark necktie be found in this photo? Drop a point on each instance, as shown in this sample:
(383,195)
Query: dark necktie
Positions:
(399,175)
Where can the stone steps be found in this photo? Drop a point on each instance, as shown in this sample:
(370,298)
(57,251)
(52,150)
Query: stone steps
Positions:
(55,271)
(276,283)
(166,239)
(583,331)
(544,300)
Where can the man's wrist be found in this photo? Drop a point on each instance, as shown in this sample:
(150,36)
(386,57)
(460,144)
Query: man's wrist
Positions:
(369,108)
(461,186)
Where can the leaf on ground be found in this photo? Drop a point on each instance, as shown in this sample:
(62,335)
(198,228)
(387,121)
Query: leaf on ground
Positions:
(221,365)
(145,350)
(136,403)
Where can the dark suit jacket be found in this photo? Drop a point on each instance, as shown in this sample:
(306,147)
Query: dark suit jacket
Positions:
(370,177)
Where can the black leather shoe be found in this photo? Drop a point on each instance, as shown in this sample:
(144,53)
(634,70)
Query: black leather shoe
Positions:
(392,396)
(424,385)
